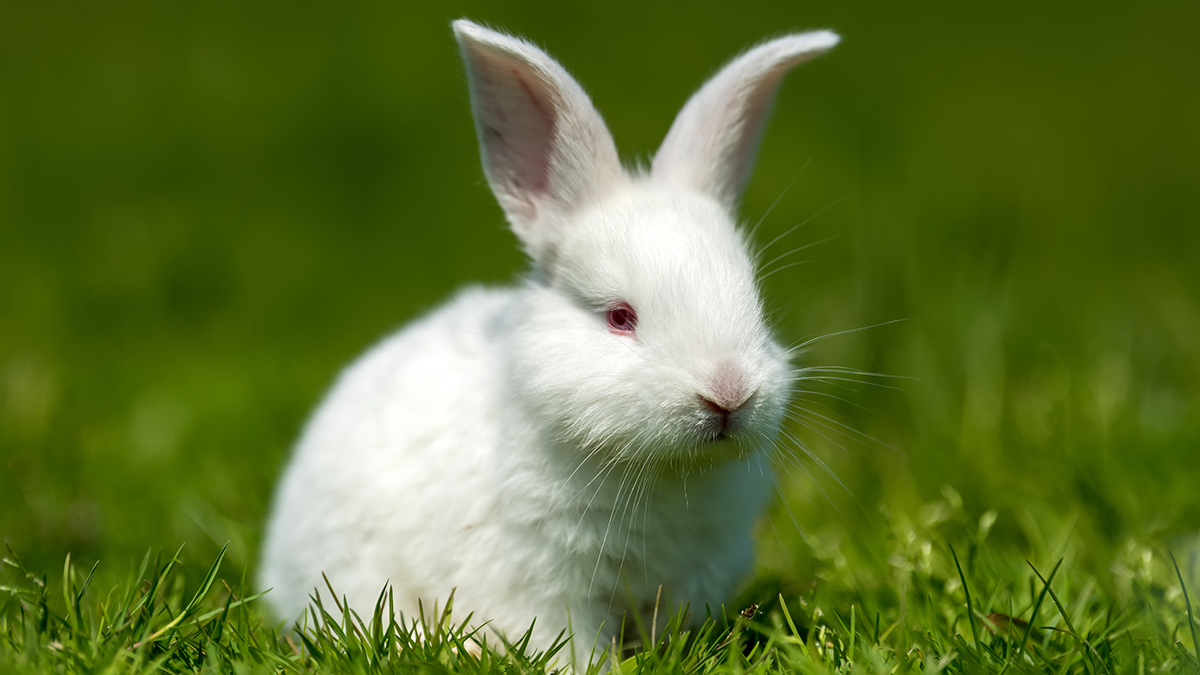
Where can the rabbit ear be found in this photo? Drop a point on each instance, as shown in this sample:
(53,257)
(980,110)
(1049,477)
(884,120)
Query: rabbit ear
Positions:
(712,144)
(545,149)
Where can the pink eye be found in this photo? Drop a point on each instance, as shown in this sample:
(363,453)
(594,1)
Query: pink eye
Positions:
(622,320)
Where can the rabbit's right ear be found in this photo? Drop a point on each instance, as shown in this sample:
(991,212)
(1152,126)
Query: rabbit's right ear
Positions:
(545,149)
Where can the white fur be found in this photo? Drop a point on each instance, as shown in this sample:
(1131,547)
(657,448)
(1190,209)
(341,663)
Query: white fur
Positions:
(512,447)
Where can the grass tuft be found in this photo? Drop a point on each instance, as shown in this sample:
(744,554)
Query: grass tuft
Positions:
(172,617)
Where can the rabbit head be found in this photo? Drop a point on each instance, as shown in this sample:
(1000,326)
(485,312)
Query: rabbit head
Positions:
(641,332)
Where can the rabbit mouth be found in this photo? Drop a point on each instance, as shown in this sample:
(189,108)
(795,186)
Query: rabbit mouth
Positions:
(720,426)
(723,420)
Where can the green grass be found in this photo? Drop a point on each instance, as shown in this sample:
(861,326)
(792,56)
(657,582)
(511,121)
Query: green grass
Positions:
(933,615)
(206,210)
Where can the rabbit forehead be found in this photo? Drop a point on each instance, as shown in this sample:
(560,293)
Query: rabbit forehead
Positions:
(676,258)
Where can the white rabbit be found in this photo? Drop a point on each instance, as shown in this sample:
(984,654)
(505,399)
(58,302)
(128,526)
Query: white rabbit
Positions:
(561,449)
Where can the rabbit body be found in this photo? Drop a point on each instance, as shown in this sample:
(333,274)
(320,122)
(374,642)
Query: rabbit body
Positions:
(392,483)
(562,449)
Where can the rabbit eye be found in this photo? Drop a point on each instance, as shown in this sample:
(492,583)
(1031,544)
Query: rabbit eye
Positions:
(622,320)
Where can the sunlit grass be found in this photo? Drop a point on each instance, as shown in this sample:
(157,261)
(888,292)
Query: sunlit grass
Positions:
(941,598)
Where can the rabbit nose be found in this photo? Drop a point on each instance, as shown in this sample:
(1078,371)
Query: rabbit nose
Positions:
(716,407)
(723,406)
(727,390)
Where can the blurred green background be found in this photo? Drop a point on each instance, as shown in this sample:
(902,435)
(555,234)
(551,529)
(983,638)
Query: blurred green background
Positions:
(206,209)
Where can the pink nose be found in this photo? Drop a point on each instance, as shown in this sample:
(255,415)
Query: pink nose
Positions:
(718,408)
(727,390)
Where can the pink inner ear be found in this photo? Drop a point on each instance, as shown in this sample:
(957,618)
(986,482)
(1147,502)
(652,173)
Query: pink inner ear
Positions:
(544,147)
(517,126)
(542,171)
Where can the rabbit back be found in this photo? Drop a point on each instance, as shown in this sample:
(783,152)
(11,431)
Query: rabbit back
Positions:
(390,466)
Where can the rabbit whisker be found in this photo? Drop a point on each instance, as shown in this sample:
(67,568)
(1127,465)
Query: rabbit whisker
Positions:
(758,254)
(636,491)
(754,230)
(843,428)
(844,370)
(827,379)
(856,371)
(813,456)
(608,527)
(817,429)
(605,470)
(645,523)
(781,268)
(567,482)
(812,392)
(796,462)
(796,250)
(826,336)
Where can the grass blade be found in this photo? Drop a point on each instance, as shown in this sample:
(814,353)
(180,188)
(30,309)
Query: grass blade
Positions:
(1063,612)
(970,608)
(1037,606)
(1187,601)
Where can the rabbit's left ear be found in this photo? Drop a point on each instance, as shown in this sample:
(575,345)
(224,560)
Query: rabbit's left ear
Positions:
(546,151)
(712,144)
